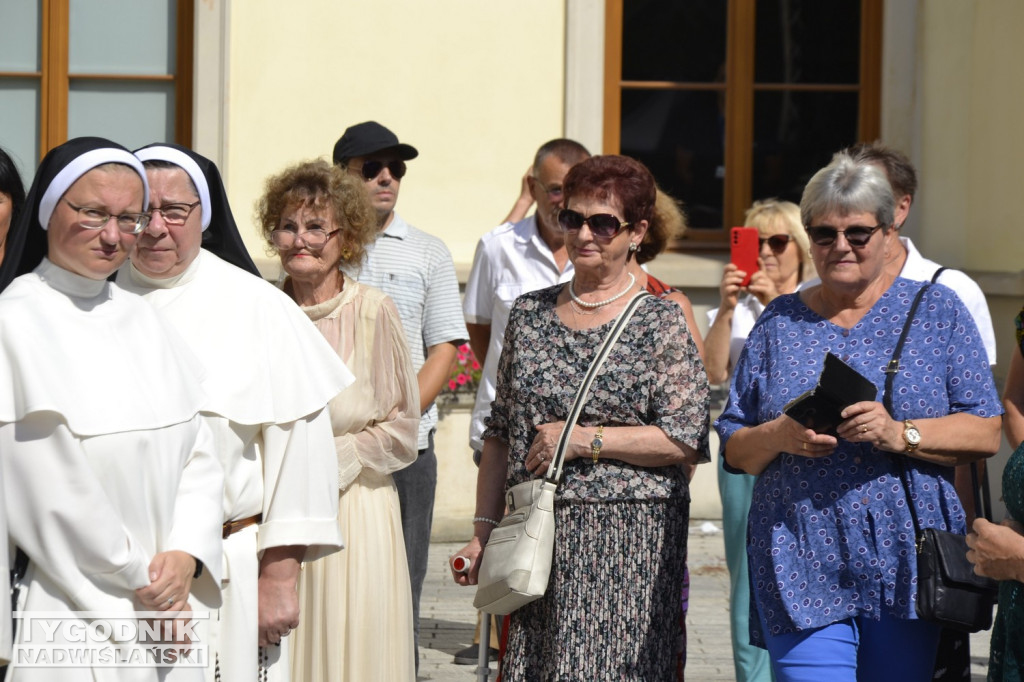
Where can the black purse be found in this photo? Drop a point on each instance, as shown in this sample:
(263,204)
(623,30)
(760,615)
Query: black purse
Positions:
(949,592)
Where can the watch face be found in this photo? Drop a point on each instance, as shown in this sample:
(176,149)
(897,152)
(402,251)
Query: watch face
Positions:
(596,443)
(912,435)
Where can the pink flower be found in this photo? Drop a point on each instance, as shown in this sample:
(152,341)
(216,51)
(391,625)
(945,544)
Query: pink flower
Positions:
(451,384)
(475,365)
(465,348)
(462,379)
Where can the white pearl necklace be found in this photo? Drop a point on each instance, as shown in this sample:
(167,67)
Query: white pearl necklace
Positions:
(598,304)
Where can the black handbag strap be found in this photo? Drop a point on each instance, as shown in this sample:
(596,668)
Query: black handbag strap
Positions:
(890,376)
(554,472)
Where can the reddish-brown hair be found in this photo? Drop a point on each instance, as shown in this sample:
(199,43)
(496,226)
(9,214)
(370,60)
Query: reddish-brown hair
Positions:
(609,178)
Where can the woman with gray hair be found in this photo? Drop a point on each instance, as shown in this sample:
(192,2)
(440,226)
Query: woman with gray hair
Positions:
(830,532)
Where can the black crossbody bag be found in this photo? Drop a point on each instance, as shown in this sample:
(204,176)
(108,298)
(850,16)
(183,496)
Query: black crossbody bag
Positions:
(949,592)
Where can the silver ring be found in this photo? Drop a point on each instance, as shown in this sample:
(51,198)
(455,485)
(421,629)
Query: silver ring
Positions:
(170,602)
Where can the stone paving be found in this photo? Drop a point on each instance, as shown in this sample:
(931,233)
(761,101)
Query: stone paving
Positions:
(447,618)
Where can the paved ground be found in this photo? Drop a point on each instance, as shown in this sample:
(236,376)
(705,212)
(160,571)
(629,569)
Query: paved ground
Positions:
(448,618)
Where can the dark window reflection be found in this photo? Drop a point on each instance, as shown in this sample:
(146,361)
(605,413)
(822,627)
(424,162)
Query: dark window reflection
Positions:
(679,135)
(795,134)
(808,42)
(668,40)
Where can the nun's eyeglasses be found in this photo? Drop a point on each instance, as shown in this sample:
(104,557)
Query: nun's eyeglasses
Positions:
(95,219)
(315,238)
(174,214)
(371,169)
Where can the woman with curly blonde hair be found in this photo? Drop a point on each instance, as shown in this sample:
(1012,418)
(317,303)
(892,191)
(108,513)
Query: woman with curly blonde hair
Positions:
(319,219)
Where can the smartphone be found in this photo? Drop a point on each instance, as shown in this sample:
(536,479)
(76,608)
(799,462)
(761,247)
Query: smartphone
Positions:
(744,248)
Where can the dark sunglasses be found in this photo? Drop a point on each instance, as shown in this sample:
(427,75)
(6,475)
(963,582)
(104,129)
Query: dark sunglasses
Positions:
(856,236)
(602,225)
(777,242)
(371,169)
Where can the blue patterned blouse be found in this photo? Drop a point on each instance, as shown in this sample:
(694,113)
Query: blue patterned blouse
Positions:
(831,538)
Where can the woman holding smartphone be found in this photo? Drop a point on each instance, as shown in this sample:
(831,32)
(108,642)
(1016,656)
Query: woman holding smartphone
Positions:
(783,262)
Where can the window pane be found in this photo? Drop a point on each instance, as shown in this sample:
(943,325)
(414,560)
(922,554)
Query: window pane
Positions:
(122,36)
(679,136)
(133,114)
(795,135)
(19,134)
(668,40)
(19,35)
(808,41)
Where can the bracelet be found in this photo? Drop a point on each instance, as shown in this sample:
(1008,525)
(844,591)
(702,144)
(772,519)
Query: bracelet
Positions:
(485,520)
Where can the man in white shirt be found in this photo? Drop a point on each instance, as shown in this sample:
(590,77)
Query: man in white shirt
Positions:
(518,256)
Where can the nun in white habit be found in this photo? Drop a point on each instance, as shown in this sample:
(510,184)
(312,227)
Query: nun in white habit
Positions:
(270,376)
(111,487)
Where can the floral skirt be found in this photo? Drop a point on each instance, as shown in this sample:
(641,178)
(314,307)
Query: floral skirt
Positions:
(612,610)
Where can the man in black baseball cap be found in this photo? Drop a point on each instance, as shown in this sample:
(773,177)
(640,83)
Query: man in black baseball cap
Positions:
(374,152)
(415,269)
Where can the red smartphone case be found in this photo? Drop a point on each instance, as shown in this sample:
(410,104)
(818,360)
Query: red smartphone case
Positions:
(744,247)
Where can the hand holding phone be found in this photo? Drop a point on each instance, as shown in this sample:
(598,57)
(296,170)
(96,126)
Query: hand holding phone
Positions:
(744,249)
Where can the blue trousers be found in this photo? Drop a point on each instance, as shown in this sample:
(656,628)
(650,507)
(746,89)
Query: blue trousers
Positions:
(750,662)
(858,649)
(416,485)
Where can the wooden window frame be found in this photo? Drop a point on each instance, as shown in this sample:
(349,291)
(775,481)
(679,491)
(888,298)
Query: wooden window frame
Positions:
(55,79)
(739,89)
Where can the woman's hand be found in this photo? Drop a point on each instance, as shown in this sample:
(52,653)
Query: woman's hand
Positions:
(997,551)
(542,450)
(729,289)
(170,575)
(869,422)
(793,437)
(473,551)
(763,286)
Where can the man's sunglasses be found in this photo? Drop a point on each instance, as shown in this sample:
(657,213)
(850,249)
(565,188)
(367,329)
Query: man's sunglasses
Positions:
(777,242)
(856,236)
(602,225)
(371,169)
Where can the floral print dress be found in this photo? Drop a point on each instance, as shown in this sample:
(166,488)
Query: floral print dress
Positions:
(612,607)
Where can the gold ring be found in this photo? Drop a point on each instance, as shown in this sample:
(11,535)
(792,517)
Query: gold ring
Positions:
(803,446)
(863,429)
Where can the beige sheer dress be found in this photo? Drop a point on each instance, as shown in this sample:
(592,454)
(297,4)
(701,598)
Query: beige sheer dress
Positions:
(356,605)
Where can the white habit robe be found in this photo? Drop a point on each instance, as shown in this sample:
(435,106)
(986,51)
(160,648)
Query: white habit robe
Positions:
(107,459)
(270,376)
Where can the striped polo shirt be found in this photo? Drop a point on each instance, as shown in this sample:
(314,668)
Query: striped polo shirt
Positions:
(416,270)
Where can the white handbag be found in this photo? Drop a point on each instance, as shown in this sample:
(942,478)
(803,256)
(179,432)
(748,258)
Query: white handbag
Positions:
(516,562)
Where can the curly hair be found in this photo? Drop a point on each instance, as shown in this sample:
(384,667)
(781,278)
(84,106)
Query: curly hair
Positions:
(322,186)
(668,222)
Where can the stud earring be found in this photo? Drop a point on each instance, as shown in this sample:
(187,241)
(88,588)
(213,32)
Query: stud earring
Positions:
(633,247)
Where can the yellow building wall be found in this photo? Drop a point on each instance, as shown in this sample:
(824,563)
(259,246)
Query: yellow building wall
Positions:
(971,68)
(476,87)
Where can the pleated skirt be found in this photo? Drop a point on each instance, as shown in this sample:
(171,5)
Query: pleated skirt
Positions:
(612,610)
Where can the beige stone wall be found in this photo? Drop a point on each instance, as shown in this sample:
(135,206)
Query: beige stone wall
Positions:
(475,86)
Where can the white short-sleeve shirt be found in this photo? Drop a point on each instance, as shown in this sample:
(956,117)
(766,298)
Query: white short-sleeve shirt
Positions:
(512,259)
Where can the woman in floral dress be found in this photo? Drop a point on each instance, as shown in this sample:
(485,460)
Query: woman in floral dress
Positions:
(611,610)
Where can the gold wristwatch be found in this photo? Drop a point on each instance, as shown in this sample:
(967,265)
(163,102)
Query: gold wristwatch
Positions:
(911,436)
(595,445)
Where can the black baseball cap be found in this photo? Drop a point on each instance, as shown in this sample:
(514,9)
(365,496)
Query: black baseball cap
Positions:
(367,138)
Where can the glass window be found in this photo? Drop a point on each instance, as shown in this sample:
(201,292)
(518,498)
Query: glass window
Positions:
(19,36)
(807,41)
(133,114)
(728,101)
(121,37)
